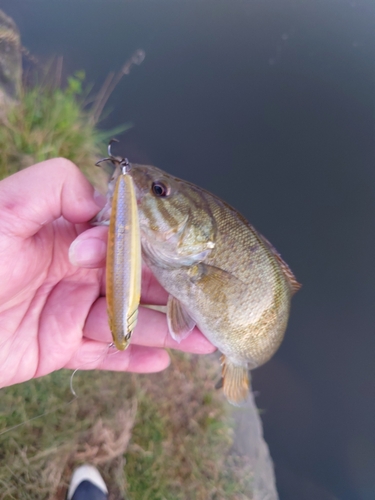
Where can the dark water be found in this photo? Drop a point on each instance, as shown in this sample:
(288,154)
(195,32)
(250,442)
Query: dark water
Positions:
(270,105)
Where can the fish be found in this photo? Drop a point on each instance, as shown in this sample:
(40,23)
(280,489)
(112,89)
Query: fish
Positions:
(124,262)
(221,274)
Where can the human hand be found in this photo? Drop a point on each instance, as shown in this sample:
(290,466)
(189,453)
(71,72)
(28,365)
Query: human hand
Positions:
(52,304)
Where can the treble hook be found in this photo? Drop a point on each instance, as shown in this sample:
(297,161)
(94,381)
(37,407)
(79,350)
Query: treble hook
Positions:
(123,163)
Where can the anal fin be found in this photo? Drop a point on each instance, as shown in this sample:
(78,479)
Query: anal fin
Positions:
(236,385)
(180,323)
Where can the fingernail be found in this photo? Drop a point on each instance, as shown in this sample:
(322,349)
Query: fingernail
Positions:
(87,253)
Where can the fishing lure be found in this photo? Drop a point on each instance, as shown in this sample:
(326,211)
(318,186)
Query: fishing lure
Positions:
(123,267)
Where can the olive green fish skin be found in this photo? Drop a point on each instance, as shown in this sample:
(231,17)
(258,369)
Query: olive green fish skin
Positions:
(225,274)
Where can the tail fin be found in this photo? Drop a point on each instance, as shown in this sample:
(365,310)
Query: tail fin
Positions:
(236,385)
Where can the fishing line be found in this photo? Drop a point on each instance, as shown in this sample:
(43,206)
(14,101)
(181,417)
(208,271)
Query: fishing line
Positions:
(72,390)
(101,355)
(38,416)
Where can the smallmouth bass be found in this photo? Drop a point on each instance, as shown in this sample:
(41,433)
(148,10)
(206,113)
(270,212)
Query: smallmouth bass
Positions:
(221,274)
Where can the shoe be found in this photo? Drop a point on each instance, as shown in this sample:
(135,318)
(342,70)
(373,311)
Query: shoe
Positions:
(87,484)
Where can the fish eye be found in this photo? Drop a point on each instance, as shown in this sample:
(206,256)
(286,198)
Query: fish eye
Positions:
(159,189)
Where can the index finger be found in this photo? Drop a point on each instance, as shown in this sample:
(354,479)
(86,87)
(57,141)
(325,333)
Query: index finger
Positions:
(42,193)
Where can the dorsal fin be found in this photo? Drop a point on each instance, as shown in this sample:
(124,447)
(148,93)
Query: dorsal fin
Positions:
(288,273)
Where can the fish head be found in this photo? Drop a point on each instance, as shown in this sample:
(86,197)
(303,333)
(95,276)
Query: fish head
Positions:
(162,209)
(177,227)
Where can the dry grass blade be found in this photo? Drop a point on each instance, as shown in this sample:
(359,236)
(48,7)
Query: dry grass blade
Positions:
(111,83)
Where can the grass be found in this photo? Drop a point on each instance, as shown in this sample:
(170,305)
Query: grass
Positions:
(161,437)
(49,121)
(37,457)
(184,453)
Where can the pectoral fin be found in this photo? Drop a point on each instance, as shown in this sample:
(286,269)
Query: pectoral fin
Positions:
(236,386)
(180,323)
(216,283)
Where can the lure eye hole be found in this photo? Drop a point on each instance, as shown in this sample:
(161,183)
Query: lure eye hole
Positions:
(159,189)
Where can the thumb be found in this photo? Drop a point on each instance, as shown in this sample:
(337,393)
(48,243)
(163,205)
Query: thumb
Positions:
(42,193)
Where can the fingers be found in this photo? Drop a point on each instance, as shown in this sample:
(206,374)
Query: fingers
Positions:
(151,330)
(138,359)
(42,193)
(89,248)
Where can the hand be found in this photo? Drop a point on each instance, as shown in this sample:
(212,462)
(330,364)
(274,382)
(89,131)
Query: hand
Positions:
(52,305)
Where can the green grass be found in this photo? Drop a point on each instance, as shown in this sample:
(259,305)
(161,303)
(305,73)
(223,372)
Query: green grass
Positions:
(49,122)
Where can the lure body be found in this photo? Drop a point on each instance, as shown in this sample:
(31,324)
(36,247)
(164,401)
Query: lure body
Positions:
(123,262)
